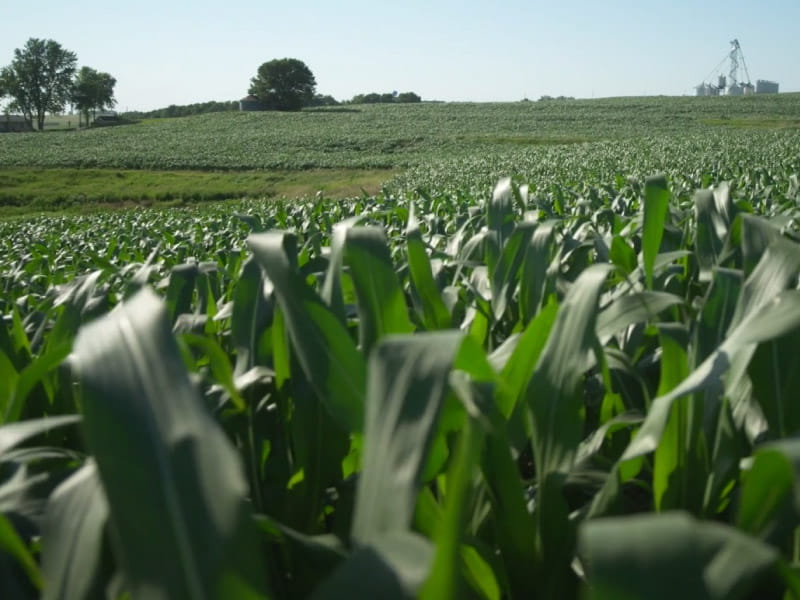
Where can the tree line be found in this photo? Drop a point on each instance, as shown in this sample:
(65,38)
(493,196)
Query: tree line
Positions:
(184,110)
(288,84)
(43,77)
(387,98)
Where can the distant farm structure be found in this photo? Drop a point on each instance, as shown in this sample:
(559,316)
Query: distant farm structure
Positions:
(9,123)
(737,80)
(250,103)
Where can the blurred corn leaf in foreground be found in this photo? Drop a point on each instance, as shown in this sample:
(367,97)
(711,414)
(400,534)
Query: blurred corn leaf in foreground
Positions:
(179,521)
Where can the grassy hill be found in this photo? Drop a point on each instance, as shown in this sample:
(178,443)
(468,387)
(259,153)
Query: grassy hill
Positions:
(385,136)
(343,150)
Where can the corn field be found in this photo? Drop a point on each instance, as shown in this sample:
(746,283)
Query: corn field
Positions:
(509,390)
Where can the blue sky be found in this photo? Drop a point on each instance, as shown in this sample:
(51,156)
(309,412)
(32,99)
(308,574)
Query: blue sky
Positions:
(182,52)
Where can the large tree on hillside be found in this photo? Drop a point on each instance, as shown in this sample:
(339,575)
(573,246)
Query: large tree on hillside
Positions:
(284,84)
(92,91)
(39,79)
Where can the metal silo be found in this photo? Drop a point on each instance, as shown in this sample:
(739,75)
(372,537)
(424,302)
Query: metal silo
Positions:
(766,87)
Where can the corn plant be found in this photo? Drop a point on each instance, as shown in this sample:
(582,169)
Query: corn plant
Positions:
(541,391)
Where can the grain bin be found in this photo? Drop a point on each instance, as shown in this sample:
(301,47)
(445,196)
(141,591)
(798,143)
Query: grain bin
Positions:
(766,87)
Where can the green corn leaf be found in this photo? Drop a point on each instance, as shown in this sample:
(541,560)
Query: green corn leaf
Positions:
(505,275)
(777,270)
(622,255)
(318,448)
(434,312)
(553,393)
(630,309)
(725,206)
(769,506)
(8,351)
(408,377)
(76,302)
(775,375)
(656,208)
(251,316)
(730,446)
(19,342)
(381,303)
(717,312)
(181,289)
(39,367)
(393,567)
(174,482)
(757,235)
(674,462)
(329,358)
(446,579)
(313,557)
(764,312)
(479,575)
(514,526)
(710,234)
(13,434)
(13,546)
(281,355)
(219,364)
(671,555)
(500,217)
(8,381)
(332,286)
(773,319)
(519,368)
(533,280)
(72,538)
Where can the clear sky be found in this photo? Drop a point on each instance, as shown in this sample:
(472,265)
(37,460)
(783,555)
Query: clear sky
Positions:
(180,52)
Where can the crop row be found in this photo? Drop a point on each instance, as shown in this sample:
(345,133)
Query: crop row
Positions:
(390,136)
(579,379)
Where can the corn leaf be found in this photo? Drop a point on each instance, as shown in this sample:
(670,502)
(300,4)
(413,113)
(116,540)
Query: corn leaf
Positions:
(446,579)
(434,312)
(180,289)
(325,351)
(770,503)
(633,308)
(174,483)
(656,207)
(11,545)
(669,556)
(533,279)
(72,531)
(251,316)
(505,276)
(553,393)
(408,378)
(381,303)
(14,434)
(393,566)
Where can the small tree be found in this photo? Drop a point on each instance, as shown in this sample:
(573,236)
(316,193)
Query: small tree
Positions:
(284,84)
(39,79)
(92,91)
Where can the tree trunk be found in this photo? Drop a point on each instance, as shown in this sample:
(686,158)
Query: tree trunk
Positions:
(40,120)
(28,115)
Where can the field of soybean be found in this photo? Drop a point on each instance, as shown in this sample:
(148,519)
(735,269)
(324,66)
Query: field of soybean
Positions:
(555,356)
